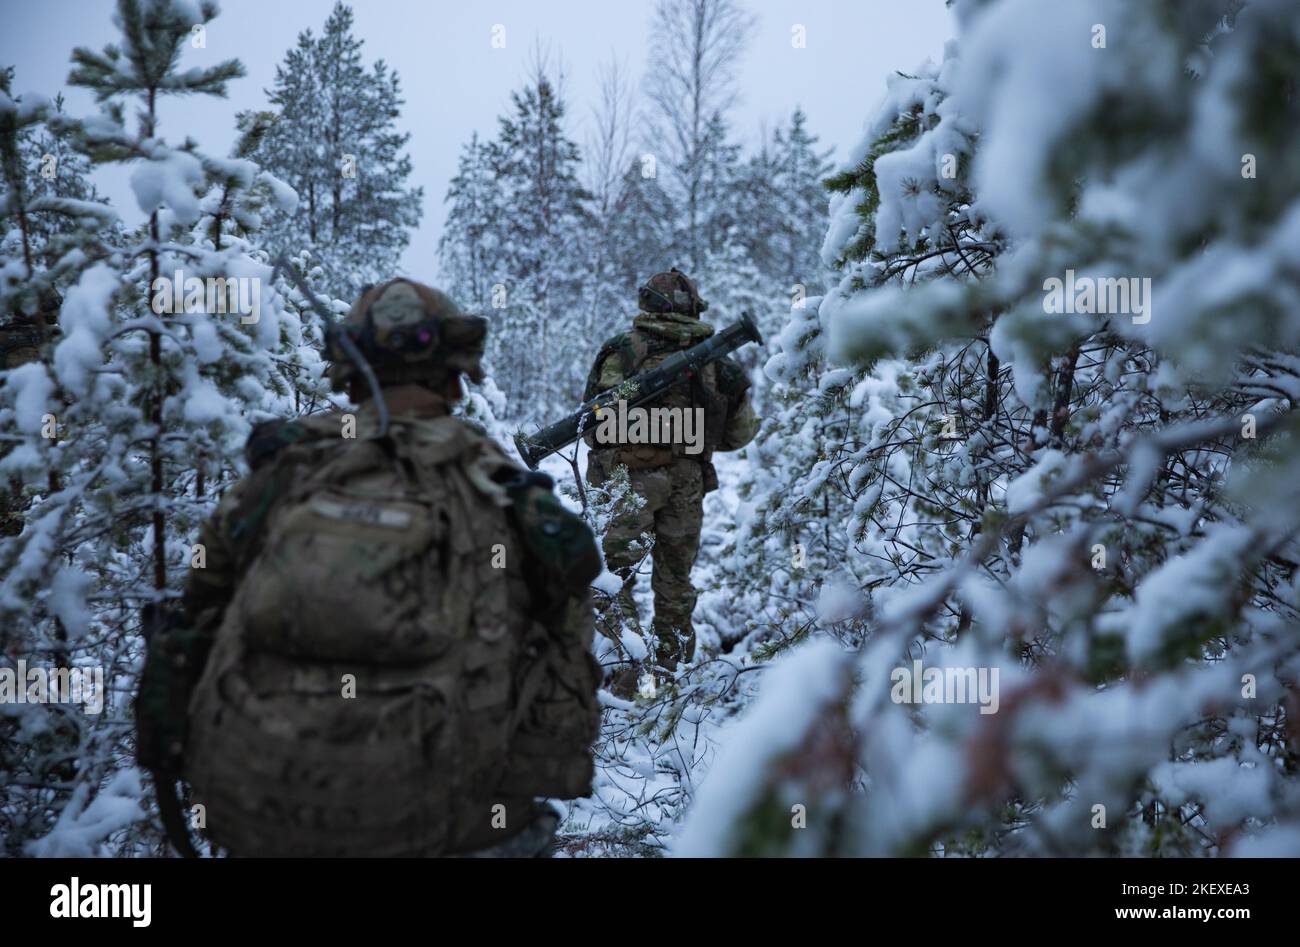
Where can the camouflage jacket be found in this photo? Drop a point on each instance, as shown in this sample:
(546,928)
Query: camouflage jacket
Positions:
(722,390)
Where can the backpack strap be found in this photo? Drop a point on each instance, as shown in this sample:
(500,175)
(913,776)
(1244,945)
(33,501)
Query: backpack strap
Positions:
(631,349)
(562,551)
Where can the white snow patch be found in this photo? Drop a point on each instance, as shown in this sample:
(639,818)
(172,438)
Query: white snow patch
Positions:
(794,692)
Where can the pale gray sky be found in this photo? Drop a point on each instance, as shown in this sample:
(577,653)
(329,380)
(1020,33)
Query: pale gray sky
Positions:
(455,83)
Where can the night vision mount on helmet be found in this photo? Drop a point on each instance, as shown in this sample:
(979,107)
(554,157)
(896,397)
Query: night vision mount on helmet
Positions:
(397,332)
(408,331)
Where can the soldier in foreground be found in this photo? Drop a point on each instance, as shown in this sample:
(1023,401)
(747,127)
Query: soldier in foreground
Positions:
(393,631)
(671,479)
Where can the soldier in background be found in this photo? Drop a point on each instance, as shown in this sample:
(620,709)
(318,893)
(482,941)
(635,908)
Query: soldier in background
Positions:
(671,481)
(22,339)
(388,650)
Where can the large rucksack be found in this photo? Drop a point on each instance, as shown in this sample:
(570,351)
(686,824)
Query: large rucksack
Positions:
(406,662)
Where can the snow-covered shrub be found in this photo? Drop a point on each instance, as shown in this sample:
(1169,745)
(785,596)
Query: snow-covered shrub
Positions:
(1085,487)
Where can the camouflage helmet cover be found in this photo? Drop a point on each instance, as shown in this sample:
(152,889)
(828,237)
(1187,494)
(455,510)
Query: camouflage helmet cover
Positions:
(408,331)
(673,291)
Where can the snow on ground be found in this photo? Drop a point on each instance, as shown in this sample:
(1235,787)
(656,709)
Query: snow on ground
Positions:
(654,750)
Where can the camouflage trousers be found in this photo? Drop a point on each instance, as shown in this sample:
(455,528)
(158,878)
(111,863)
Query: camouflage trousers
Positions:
(673,514)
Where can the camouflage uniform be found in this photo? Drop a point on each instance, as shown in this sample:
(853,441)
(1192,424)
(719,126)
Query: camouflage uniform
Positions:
(671,481)
(443,581)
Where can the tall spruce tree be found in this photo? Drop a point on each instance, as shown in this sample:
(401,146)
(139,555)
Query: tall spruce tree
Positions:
(641,234)
(335,141)
(532,246)
(792,251)
(467,249)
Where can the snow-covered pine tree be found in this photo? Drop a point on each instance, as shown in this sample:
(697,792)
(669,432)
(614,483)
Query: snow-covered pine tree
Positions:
(641,234)
(468,245)
(794,545)
(730,212)
(718,190)
(154,32)
(540,256)
(772,261)
(792,251)
(335,141)
(57,226)
(228,241)
(52,232)
(1112,526)
(758,209)
(46,180)
(151,403)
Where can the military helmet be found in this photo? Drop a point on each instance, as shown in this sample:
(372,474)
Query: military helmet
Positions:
(408,331)
(673,291)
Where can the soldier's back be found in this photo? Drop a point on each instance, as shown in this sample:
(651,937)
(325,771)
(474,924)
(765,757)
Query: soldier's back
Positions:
(359,697)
